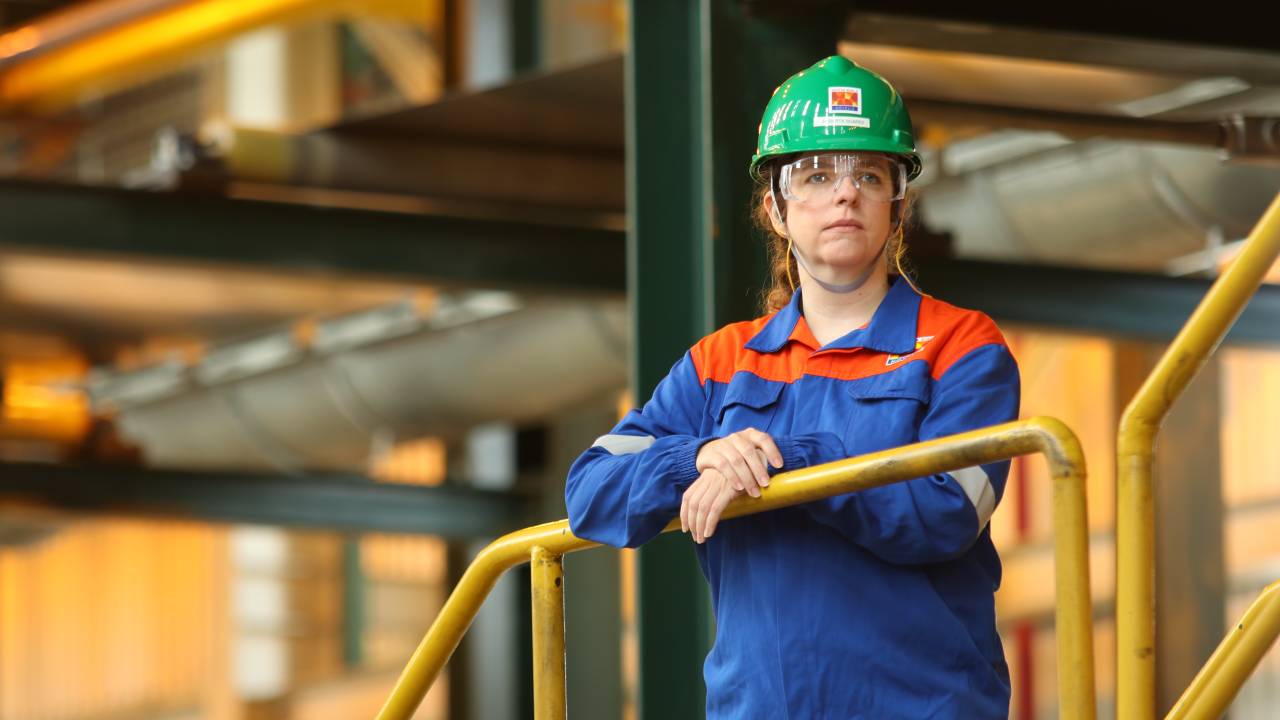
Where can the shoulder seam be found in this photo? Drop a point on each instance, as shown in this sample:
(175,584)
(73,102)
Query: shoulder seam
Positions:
(942,371)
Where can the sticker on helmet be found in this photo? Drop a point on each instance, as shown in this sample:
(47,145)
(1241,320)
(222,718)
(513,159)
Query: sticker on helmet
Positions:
(844,100)
(839,121)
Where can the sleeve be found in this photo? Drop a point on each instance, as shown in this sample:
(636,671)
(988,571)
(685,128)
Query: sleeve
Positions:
(937,518)
(627,486)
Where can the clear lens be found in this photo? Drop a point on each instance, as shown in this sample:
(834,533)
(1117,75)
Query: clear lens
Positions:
(815,178)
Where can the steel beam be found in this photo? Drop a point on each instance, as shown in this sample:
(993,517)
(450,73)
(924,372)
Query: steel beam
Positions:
(1123,304)
(332,502)
(507,253)
(1227,29)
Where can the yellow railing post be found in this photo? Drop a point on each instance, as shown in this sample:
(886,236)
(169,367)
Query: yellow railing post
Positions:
(548,635)
(1046,436)
(464,602)
(1135,449)
(1217,683)
(1073,611)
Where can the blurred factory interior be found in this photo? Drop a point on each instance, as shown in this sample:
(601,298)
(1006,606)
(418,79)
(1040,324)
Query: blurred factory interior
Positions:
(304,301)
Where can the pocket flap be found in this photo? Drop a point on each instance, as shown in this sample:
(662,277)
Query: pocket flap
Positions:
(751,391)
(892,385)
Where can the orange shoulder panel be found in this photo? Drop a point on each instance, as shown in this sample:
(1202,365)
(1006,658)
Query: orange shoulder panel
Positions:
(956,332)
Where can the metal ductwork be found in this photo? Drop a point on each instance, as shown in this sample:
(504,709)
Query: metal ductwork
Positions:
(1038,198)
(334,400)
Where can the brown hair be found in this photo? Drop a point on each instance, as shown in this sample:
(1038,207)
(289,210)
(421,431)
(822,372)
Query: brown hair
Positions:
(784,275)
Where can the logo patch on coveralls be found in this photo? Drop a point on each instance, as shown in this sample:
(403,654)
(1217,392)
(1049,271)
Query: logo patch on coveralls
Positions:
(844,100)
(895,359)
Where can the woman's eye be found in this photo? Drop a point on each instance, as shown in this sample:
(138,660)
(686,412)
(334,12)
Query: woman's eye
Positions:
(870,179)
(816,179)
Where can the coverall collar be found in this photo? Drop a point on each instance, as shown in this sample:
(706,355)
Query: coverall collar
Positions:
(892,328)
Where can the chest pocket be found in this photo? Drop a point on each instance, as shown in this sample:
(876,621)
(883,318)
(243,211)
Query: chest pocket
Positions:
(749,402)
(888,409)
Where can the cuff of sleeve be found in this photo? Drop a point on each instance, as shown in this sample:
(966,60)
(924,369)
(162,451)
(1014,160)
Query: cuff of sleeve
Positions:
(793,457)
(684,467)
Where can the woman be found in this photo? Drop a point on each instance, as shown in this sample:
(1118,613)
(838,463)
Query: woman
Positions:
(876,604)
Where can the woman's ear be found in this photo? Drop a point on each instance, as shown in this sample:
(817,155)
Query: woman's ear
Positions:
(775,214)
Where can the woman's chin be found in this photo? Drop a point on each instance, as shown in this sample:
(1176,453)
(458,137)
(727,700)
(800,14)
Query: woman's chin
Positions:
(845,266)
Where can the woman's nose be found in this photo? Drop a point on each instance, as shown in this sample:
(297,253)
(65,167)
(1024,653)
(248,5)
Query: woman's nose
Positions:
(845,191)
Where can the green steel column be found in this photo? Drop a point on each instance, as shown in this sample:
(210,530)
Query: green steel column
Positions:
(668,252)
(526,35)
(698,76)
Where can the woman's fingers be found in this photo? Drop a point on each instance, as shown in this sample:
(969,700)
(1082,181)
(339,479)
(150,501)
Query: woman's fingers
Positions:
(765,442)
(751,454)
(701,510)
(711,487)
(688,502)
(705,504)
(717,506)
(696,500)
(736,468)
(684,508)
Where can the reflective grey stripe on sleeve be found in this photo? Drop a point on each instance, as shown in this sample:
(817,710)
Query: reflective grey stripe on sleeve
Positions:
(977,486)
(624,444)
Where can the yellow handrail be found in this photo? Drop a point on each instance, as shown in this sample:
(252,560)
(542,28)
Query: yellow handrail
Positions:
(546,543)
(1135,448)
(1217,683)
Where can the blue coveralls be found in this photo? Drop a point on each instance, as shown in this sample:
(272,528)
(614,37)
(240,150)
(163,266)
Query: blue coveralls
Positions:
(876,604)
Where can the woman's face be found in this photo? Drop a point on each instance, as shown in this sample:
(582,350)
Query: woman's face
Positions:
(838,230)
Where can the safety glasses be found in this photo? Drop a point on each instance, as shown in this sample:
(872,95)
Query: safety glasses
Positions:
(815,178)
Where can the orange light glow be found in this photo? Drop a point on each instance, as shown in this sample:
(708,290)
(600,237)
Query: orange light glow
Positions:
(18,41)
(38,400)
(626,403)
(418,462)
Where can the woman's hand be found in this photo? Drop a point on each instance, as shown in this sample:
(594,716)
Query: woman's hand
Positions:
(741,459)
(730,466)
(703,502)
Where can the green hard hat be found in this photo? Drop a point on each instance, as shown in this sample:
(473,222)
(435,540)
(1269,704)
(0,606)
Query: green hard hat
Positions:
(836,105)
